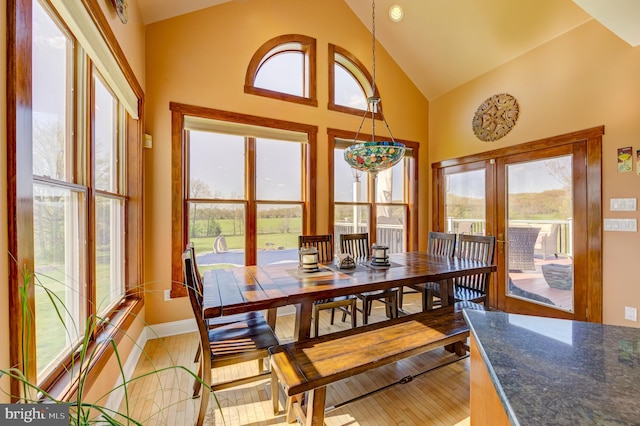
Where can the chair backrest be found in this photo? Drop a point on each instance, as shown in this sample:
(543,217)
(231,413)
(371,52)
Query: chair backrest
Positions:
(357,245)
(480,248)
(194,291)
(324,244)
(194,264)
(441,244)
(476,247)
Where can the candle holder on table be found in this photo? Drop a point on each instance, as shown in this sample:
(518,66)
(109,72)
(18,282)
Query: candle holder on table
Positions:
(308,259)
(380,255)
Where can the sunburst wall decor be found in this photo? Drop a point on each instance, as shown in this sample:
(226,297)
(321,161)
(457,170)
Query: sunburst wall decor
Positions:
(495,117)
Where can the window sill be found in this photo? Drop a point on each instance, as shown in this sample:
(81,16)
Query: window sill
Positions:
(98,353)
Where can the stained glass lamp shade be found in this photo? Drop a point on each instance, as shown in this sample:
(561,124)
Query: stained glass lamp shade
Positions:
(373,157)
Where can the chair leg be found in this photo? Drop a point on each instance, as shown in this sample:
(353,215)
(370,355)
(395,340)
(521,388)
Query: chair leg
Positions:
(366,309)
(196,383)
(206,393)
(316,320)
(333,313)
(354,322)
(197,357)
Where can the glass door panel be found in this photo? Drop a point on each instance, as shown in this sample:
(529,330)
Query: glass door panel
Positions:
(465,202)
(539,231)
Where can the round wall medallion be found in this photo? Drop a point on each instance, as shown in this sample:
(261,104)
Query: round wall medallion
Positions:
(121,7)
(495,117)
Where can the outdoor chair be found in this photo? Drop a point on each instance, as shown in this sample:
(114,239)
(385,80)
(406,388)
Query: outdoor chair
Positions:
(346,304)
(521,245)
(357,245)
(472,288)
(225,345)
(547,242)
(439,244)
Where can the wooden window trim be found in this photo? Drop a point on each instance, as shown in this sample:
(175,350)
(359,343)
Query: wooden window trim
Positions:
(257,59)
(20,188)
(411,178)
(333,50)
(178,175)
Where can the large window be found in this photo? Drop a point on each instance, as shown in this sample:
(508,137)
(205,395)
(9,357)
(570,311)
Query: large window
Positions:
(71,192)
(245,187)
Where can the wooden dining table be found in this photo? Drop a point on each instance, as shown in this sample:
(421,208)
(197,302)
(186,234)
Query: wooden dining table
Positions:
(267,287)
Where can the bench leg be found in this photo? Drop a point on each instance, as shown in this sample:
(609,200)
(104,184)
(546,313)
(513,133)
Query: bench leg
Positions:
(315,407)
(459,348)
(275,392)
(294,408)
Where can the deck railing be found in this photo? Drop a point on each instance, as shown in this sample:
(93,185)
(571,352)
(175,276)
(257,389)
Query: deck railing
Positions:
(391,235)
(478,227)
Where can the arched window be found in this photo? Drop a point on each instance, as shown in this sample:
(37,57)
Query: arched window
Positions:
(284,68)
(349,82)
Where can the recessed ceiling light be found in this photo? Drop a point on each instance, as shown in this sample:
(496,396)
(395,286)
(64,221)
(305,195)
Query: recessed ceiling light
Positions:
(396,13)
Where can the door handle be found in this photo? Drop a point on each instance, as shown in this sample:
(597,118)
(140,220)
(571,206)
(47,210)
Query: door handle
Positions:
(501,239)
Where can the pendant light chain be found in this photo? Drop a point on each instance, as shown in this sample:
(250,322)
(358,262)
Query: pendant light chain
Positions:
(373,48)
(373,156)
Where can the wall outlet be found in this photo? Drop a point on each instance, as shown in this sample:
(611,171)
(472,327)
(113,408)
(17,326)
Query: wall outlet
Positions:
(167,295)
(630,313)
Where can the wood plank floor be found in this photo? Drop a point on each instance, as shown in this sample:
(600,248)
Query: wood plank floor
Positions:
(437,397)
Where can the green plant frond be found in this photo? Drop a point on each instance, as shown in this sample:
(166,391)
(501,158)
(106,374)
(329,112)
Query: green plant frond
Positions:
(18,375)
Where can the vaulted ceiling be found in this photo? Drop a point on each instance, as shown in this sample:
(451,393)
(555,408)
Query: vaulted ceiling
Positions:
(441,44)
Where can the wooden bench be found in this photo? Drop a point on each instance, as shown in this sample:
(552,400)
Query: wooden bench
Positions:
(311,365)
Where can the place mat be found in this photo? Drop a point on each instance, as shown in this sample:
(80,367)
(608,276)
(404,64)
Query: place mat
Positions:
(358,268)
(296,273)
(368,264)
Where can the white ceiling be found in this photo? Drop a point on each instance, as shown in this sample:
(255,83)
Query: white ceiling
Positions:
(441,44)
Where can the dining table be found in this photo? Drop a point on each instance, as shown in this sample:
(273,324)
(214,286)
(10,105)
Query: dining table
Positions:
(235,290)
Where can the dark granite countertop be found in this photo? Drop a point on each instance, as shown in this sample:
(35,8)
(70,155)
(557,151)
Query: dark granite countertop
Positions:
(560,372)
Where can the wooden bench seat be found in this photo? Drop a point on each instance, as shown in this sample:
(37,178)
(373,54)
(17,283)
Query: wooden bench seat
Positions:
(310,365)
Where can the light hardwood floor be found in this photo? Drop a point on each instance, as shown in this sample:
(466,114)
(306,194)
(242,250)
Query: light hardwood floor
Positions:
(438,397)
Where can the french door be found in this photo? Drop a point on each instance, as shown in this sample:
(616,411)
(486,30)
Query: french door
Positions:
(542,202)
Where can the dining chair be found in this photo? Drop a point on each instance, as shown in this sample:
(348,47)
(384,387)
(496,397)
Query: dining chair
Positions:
(472,288)
(346,304)
(357,245)
(217,321)
(438,244)
(224,345)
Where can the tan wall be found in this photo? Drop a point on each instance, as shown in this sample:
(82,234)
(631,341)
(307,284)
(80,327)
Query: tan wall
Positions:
(4,245)
(130,36)
(585,78)
(201,59)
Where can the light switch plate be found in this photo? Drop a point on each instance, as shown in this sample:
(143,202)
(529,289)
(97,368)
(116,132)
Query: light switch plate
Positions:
(622,225)
(622,204)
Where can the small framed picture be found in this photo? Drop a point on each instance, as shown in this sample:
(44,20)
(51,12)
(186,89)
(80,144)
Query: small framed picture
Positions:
(625,159)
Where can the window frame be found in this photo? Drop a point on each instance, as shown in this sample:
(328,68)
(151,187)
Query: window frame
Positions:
(280,44)
(411,189)
(359,72)
(180,199)
(62,383)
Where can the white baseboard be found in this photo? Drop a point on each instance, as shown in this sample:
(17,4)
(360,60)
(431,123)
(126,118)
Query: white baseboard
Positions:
(116,397)
(173,328)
